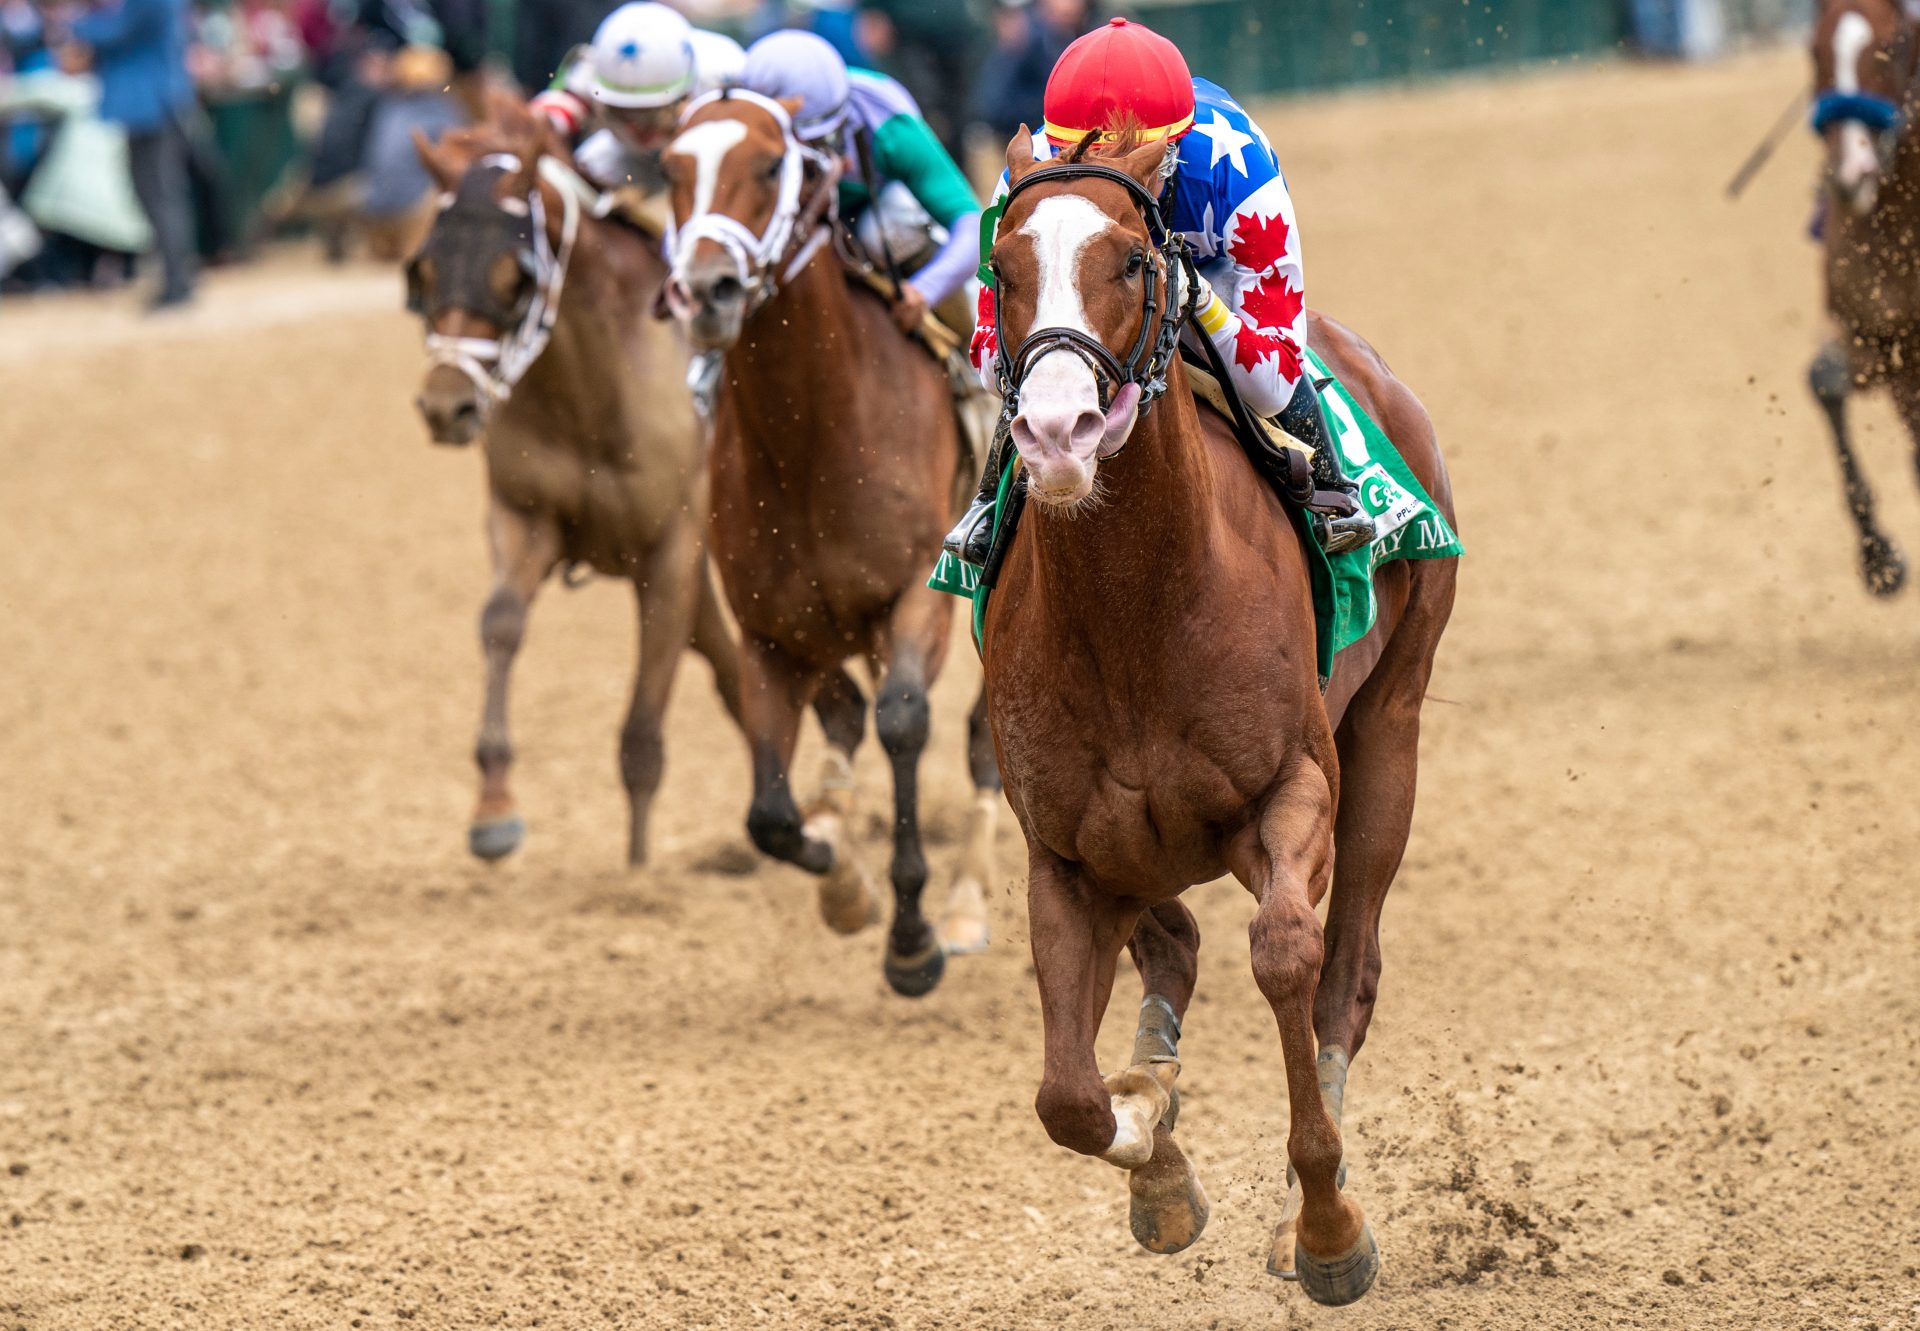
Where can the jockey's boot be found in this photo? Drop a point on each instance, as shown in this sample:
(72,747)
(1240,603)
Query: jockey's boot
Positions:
(1339,519)
(971,539)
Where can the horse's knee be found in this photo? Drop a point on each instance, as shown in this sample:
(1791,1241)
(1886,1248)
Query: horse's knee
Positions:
(1287,949)
(901,718)
(503,621)
(1080,1119)
(1829,376)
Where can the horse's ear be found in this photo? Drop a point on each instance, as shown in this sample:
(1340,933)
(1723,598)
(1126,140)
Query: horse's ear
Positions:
(503,106)
(1020,158)
(793,105)
(436,159)
(1145,164)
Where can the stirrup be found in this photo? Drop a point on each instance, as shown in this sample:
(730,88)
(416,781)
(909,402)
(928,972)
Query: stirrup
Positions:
(1339,535)
(972,537)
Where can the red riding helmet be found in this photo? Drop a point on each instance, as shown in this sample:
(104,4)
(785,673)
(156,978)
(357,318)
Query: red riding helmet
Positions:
(1116,72)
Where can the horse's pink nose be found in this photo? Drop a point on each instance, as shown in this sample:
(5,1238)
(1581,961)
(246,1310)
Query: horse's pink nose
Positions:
(1057,428)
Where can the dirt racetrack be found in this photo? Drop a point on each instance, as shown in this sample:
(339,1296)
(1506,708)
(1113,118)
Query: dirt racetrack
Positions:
(275,1053)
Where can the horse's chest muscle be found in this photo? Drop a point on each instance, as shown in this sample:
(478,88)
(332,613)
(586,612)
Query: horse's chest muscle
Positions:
(612,507)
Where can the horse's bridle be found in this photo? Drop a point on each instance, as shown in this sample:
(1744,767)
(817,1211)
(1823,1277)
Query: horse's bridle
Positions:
(796,219)
(1153,348)
(497,364)
(1882,115)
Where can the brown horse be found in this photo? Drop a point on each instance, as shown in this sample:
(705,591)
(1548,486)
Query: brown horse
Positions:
(1155,704)
(1864,54)
(835,456)
(538,318)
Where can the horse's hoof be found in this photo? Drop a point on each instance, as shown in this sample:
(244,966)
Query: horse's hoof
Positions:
(496,838)
(963,930)
(1882,566)
(1334,1282)
(1169,1207)
(848,902)
(916,976)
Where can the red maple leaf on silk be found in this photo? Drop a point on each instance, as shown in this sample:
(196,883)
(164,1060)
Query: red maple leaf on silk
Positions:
(1251,347)
(1260,242)
(1272,302)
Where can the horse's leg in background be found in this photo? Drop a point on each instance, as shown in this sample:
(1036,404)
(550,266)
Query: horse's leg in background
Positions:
(774,690)
(1077,935)
(1285,861)
(714,639)
(963,928)
(848,900)
(1169,1207)
(525,548)
(915,647)
(668,589)
(1831,377)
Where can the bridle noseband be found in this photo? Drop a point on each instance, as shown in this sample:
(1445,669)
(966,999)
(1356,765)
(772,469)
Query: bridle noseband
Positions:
(1152,352)
(497,364)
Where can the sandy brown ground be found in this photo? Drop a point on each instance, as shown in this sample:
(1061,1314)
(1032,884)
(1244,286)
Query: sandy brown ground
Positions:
(275,1053)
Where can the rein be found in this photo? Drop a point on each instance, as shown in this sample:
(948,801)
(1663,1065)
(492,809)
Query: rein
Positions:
(497,364)
(755,257)
(1152,352)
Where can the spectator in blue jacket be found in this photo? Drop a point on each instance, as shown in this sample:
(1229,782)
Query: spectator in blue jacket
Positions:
(139,50)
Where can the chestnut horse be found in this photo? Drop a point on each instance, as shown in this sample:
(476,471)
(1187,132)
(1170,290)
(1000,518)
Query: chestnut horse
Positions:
(539,327)
(1864,54)
(1155,703)
(836,451)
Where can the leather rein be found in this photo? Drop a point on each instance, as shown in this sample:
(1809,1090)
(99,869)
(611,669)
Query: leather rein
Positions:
(1153,349)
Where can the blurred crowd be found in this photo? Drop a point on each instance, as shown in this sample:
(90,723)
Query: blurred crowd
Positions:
(138,127)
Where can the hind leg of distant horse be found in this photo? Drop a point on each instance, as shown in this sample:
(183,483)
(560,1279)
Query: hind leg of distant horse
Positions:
(1168,1206)
(668,591)
(525,547)
(914,649)
(1831,377)
(848,899)
(963,925)
(1286,861)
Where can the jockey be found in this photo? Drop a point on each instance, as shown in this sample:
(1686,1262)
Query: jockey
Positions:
(909,202)
(616,101)
(1227,198)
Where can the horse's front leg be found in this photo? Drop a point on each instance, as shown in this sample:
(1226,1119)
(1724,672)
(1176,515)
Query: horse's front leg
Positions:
(914,648)
(668,589)
(1286,861)
(1077,933)
(525,546)
(774,690)
(1831,377)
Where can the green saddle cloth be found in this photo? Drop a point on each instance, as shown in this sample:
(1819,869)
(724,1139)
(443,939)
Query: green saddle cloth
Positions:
(1407,525)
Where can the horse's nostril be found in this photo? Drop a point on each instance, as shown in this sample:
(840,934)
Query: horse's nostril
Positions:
(726,290)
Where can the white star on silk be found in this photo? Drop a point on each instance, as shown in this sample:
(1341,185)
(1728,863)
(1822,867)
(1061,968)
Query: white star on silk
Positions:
(1224,140)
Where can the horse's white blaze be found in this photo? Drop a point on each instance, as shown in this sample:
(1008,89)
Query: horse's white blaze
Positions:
(708,145)
(1852,34)
(1060,386)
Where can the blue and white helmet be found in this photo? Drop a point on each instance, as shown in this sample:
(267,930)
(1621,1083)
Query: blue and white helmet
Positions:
(717,61)
(792,63)
(642,57)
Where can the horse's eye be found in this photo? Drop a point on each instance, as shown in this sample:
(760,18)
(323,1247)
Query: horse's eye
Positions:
(773,168)
(1135,262)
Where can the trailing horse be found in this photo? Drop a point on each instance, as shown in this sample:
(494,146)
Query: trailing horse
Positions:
(836,454)
(1864,64)
(1156,706)
(538,328)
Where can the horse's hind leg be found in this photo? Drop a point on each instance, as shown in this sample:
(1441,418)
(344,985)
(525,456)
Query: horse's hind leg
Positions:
(1831,377)
(773,690)
(915,646)
(525,548)
(963,928)
(1286,862)
(1169,1208)
(848,901)
(668,592)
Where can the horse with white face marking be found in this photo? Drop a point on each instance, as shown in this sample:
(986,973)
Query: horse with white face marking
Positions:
(836,455)
(1153,689)
(1864,66)
(543,348)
